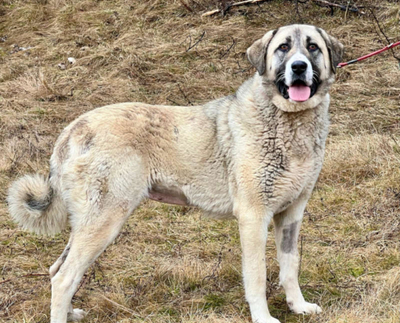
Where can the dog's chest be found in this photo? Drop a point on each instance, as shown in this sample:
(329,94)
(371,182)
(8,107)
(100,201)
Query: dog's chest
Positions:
(291,157)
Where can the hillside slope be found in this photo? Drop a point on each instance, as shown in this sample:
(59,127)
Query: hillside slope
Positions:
(169,264)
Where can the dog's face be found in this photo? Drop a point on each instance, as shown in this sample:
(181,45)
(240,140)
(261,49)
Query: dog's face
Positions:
(297,65)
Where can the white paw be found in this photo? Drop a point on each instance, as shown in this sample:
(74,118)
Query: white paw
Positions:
(305,308)
(76,315)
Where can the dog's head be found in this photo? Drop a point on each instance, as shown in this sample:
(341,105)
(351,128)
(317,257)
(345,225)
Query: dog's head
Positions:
(297,65)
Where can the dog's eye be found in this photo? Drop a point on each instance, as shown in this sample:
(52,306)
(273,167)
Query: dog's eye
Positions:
(312,48)
(284,48)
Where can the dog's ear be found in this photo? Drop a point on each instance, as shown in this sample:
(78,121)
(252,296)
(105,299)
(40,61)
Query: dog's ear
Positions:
(335,49)
(257,52)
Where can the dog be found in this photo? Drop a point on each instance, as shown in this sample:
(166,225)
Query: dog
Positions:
(253,156)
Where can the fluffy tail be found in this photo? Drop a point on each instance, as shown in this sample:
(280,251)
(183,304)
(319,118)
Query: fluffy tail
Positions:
(36,206)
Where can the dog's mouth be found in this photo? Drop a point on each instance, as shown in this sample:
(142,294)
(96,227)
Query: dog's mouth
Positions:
(298,91)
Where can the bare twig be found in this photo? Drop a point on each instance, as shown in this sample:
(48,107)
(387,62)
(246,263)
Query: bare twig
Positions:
(241,69)
(196,42)
(82,283)
(383,33)
(211,13)
(236,4)
(331,270)
(214,274)
(184,95)
(229,48)
(172,101)
(256,2)
(186,5)
(347,10)
(121,307)
(341,7)
(224,6)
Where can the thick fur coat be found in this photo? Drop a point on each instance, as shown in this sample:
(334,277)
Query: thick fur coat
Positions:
(254,156)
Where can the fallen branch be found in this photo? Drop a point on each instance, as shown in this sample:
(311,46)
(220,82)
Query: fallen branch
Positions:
(252,2)
(342,7)
(241,3)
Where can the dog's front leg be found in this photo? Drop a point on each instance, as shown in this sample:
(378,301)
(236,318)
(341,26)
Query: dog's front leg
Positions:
(287,227)
(253,228)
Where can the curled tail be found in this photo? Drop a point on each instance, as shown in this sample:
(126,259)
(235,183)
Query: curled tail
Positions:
(36,206)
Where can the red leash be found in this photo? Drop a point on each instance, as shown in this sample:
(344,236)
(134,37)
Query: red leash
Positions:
(369,55)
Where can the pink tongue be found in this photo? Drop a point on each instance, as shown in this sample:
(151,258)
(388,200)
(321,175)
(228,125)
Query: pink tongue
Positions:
(299,92)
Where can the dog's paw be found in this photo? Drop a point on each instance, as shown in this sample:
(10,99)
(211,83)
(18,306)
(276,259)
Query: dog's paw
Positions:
(305,308)
(76,315)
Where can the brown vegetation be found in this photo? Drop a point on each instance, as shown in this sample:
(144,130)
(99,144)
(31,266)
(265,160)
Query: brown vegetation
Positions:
(169,264)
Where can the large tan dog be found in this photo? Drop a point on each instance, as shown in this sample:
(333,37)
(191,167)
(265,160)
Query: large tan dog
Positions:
(254,156)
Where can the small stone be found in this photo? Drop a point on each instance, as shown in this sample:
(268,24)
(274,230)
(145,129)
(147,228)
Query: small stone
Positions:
(62,66)
(16,48)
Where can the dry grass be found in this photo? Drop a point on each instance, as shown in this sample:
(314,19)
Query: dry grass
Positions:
(169,264)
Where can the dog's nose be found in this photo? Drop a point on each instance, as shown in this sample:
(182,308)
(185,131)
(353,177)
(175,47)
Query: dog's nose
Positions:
(299,67)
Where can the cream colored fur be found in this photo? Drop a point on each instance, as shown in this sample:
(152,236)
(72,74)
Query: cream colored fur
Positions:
(36,189)
(253,156)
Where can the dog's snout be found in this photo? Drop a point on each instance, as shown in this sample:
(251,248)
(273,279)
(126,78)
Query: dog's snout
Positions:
(299,67)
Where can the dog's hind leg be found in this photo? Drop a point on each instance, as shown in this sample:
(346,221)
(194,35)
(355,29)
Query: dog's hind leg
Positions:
(88,240)
(73,315)
(56,266)
(287,228)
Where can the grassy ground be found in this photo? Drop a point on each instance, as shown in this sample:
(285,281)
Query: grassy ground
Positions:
(169,264)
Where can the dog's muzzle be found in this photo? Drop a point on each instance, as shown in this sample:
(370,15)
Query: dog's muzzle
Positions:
(297,82)
(299,91)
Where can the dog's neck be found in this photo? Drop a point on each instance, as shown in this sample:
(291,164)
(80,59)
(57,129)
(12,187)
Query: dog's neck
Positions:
(267,123)
(270,120)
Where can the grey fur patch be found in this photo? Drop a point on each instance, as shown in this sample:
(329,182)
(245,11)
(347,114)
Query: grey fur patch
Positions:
(39,204)
(63,148)
(297,33)
(88,141)
(65,253)
(77,127)
(288,243)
